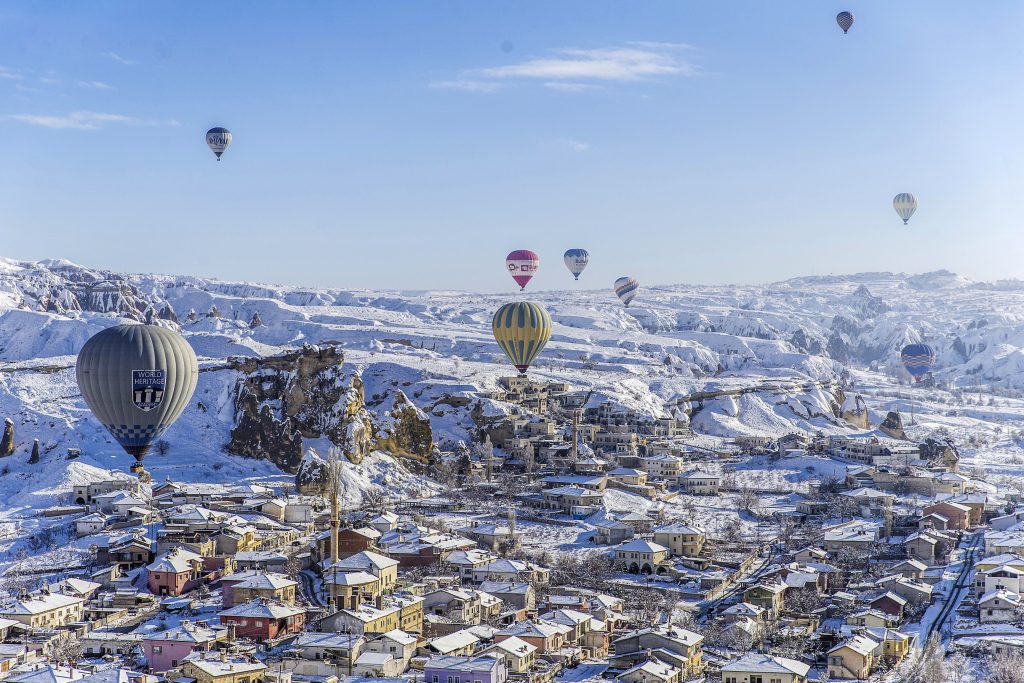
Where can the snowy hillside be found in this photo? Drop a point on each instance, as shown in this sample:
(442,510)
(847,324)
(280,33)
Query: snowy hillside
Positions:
(790,340)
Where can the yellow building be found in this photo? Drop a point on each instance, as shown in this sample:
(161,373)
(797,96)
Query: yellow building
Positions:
(351,589)
(210,667)
(680,539)
(45,610)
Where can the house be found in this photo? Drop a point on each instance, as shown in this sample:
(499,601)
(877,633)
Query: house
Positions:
(652,670)
(258,584)
(612,532)
(384,522)
(404,612)
(755,667)
(871,618)
(130,552)
(930,546)
(640,522)
(699,483)
(491,536)
(518,655)
(1004,577)
(466,561)
(578,623)
(889,603)
(85,494)
(459,643)
(90,524)
(44,610)
(79,588)
(268,560)
(263,620)
(461,605)
(670,644)
(998,606)
(743,610)
(573,500)
(376,665)
(351,589)
(481,669)
(628,476)
(511,570)
(208,667)
(958,516)
(870,499)
(642,557)
(384,568)
(681,539)
(661,466)
(519,594)
(168,649)
(767,596)
(174,572)
(911,568)
(857,535)
(854,658)
(397,643)
(546,636)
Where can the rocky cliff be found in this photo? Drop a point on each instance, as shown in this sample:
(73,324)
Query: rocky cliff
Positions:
(280,401)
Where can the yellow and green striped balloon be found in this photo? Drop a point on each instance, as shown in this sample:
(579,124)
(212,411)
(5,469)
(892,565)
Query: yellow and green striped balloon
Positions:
(521,330)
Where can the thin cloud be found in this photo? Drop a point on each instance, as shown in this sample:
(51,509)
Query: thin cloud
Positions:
(9,74)
(468,85)
(87,120)
(118,58)
(95,85)
(577,145)
(577,70)
(571,86)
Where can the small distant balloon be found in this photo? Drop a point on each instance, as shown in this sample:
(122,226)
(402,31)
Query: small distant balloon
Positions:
(918,360)
(522,265)
(845,20)
(576,260)
(218,140)
(625,289)
(905,205)
(507,46)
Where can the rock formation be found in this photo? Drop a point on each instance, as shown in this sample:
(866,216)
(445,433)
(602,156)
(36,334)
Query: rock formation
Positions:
(893,425)
(35,452)
(7,442)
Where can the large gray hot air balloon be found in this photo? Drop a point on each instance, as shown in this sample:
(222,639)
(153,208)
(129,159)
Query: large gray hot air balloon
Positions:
(137,379)
(905,205)
(218,139)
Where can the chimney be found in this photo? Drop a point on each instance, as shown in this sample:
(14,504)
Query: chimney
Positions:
(231,633)
(223,656)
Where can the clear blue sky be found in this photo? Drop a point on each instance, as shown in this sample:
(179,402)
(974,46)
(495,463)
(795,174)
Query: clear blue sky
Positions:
(412,144)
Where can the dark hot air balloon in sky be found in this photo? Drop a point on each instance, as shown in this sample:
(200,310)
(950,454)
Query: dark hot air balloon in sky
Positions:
(845,21)
(218,139)
(918,359)
(137,380)
(521,330)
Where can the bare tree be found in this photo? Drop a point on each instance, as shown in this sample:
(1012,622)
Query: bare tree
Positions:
(66,650)
(927,664)
(1006,667)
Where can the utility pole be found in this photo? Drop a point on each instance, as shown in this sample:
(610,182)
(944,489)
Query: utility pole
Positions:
(575,434)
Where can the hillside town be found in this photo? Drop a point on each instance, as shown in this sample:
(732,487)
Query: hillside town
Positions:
(896,562)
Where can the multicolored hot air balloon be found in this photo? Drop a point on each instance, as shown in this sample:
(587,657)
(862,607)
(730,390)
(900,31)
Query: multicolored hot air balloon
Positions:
(845,20)
(218,140)
(137,380)
(521,330)
(625,288)
(522,265)
(918,360)
(576,260)
(905,205)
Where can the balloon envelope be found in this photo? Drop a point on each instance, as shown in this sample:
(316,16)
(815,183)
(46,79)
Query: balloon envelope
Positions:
(918,360)
(521,330)
(576,260)
(137,380)
(522,265)
(845,20)
(218,140)
(625,288)
(905,205)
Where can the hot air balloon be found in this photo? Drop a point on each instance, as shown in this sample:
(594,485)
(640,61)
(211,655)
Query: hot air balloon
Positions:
(218,139)
(905,205)
(845,20)
(576,260)
(918,360)
(521,330)
(522,265)
(625,288)
(137,380)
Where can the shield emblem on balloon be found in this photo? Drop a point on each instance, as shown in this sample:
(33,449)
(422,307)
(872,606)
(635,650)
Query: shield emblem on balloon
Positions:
(148,388)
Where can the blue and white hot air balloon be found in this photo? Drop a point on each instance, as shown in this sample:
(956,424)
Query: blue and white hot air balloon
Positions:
(218,140)
(918,359)
(625,289)
(576,260)
(905,205)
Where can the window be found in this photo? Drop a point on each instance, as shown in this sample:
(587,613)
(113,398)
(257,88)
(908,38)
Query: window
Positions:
(157,649)
(433,679)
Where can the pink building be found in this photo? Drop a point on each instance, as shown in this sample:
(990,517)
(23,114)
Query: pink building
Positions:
(166,650)
(174,572)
